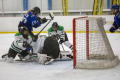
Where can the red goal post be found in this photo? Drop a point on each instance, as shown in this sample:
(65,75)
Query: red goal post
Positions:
(74,41)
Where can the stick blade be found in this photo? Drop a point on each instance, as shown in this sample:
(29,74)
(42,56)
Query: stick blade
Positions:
(51,15)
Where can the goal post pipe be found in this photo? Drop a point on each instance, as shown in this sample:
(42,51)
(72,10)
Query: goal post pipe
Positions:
(87,39)
(74,41)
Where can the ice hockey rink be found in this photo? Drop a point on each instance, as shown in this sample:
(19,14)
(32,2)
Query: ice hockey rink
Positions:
(58,70)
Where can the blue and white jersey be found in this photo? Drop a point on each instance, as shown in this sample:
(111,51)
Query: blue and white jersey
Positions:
(30,20)
(117,20)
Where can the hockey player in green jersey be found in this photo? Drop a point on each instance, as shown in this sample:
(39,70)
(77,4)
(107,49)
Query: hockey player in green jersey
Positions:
(59,31)
(20,44)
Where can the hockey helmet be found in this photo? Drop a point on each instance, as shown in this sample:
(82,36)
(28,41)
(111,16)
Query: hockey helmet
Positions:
(22,29)
(54,25)
(115,6)
(36,10)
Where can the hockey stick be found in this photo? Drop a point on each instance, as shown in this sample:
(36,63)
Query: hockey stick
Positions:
(62,47)
(52,16)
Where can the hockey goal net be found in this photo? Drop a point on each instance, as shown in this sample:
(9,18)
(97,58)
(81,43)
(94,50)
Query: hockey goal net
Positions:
(91,47)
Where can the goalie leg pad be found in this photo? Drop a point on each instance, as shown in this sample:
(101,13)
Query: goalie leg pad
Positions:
(41,58)
(49,60)
(68,44)
(10,59)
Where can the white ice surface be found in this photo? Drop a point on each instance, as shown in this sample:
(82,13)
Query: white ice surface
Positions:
(58,70)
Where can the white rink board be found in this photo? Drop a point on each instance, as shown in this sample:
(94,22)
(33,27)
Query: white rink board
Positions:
(10,24)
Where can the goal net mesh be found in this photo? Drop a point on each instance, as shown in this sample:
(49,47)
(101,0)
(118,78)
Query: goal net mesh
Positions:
(92,49)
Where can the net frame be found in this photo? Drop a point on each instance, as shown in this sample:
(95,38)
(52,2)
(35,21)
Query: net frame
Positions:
(107,61)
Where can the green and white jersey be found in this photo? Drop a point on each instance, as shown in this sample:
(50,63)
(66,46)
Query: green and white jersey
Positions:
(59,31)
(17,44)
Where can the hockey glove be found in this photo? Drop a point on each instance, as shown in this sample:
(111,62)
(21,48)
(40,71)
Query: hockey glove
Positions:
(112,29)
(26,45)
(35,37)
(44,20)
(39,19)
(61,41)
(28,49)
(58,36)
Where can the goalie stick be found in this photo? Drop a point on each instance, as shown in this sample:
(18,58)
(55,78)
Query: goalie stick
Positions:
(62,47)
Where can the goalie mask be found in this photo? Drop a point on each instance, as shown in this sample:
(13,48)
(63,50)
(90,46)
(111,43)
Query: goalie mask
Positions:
(24,31)
(54,26)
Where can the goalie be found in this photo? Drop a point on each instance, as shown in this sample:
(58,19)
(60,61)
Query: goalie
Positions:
(47,49)
(59,31)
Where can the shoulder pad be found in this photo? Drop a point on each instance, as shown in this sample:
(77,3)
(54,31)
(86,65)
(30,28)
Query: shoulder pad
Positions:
(60,28)
(18,34)
(50,29)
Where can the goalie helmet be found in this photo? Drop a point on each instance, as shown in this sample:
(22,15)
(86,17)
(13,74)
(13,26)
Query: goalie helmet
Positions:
(36,10)
(54,25)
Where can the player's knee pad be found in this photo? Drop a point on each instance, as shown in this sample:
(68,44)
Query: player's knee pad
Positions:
(27,57)
(10,59)
(41,58)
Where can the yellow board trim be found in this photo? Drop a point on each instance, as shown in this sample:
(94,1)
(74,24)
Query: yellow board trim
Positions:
(65,31)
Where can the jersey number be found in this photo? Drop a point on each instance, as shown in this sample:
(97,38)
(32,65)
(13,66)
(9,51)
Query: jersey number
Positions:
(24,18)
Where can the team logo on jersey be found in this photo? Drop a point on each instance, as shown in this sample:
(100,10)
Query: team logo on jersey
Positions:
(32,15)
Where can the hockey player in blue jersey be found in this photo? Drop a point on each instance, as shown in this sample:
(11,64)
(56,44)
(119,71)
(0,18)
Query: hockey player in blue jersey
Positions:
(116,23)
(31,20)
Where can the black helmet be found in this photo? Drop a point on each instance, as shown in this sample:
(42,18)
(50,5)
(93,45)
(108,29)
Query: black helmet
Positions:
(22,29)
(55,25)
(36,10)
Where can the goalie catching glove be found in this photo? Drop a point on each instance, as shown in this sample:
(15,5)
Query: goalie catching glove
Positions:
(61,41)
